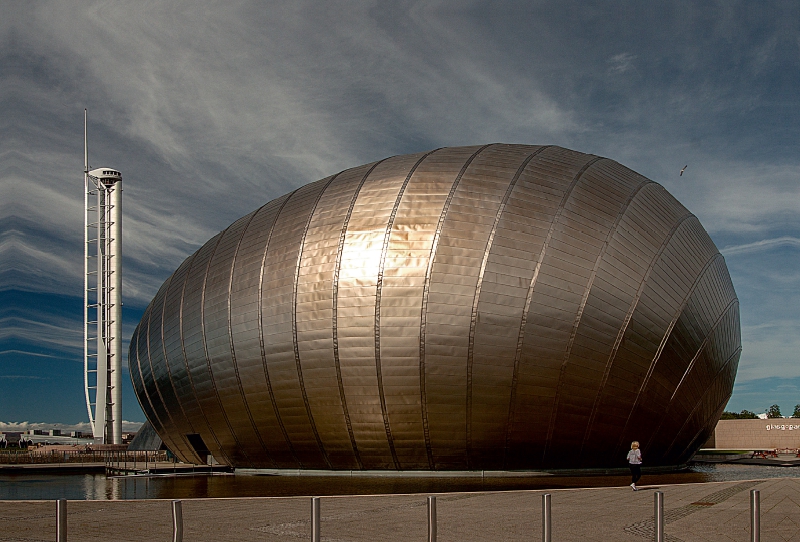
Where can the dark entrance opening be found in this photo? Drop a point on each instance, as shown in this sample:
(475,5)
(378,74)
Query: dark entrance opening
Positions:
(199,446)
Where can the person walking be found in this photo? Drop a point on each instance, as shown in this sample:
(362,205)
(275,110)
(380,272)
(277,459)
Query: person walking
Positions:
(635,463)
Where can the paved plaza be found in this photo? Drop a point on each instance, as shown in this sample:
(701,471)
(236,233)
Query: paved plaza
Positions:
(693,512)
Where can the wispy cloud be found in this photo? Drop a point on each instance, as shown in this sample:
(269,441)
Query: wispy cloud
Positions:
(27,353)
(758,246)
(59,332)
(621,63)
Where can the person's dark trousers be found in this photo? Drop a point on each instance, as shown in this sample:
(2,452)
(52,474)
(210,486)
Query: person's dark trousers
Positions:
(636,473)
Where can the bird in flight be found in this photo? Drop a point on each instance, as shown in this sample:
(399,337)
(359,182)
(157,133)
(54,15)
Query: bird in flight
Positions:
(684,169)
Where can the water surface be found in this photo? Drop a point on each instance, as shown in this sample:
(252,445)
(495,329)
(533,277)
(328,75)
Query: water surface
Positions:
(98,486)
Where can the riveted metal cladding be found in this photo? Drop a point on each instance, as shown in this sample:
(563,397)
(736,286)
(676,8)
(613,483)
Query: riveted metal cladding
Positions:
(492,307)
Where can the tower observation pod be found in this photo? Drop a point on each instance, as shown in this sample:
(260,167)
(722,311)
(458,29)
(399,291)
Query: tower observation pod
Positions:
(102,330)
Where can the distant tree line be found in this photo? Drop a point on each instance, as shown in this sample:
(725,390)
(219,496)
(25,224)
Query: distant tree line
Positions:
(772,412)
(743,415)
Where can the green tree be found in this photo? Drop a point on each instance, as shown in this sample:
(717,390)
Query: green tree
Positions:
(774,412)
(796,411)
(743,415)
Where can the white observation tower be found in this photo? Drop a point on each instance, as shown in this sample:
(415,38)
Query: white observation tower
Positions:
(102,307)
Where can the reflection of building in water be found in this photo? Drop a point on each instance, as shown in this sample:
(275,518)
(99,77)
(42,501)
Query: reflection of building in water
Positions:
(495,307)
(12,438)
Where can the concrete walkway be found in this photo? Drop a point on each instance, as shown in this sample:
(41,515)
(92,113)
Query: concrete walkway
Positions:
(694,512)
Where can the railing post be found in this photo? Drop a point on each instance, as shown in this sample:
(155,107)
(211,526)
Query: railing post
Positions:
(315,520)
(547,519)
(658,515)
(432,519)
(755,515)
(61,520)
(177,521)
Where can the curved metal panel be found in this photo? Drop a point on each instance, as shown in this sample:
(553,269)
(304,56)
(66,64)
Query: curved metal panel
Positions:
(633,251)
(316,308)
(357,296)
(223,375)
(412,241)
(175,376)
(277,321)
(671,284)
(224,447)
(154,376)
(503,306)
(136,375)
(702,335)
(536,360)
(496,313)
(140,355)
(245,333)
(176,358)
(449,291)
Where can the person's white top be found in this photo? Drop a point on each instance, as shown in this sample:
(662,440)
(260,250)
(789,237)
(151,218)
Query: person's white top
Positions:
(635,457)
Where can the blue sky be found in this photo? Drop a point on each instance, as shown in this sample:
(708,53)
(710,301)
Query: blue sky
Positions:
(211,110)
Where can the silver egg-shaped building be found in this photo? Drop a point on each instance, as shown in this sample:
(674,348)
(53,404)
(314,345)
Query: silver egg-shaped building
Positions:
(493,307)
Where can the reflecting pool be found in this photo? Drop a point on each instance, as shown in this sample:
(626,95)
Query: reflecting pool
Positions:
(98,486)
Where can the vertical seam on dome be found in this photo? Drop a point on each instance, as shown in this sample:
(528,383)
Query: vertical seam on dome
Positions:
(150,364)
(186,362)
(143,398)
(261,330)
(133,357)
(529,296)
(718,411)
(626,321)
(139,356)
(579,316)
(230,338)
(150,356)
(378,294)
(735,301)
(476,298)
(706,340)
(733,356)
(663,343)
(335,314)
(205,347)
(169,370)
(424,309)
(294,322)
(166,366)
(714,418)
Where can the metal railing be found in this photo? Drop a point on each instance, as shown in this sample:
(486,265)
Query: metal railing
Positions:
(547,524)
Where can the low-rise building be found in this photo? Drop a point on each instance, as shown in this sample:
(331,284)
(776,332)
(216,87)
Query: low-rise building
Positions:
(759,434)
